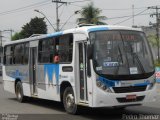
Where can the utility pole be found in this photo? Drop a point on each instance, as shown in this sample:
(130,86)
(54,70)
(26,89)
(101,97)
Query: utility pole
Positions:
(1,38)
(57,13)
(1,46)
(133,15)
(157,27)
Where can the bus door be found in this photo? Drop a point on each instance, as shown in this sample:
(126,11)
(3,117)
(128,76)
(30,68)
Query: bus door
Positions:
(33,63)
(82,71)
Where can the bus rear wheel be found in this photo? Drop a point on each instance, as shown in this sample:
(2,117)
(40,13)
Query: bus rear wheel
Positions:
(19,92)
(69,101)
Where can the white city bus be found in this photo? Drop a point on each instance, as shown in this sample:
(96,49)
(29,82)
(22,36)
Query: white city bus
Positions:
(98,66)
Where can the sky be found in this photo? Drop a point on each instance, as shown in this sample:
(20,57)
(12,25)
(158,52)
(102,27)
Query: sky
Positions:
(16,13)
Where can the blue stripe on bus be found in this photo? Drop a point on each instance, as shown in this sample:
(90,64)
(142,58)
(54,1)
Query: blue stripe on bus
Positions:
(18,75)
(113,83)
(55,34)
(108,83)
(98,29)
(142,84)
(52,71)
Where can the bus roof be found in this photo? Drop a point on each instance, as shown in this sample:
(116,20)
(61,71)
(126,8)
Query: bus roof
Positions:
(84,29)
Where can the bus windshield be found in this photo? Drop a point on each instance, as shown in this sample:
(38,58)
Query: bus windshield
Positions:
(123,53)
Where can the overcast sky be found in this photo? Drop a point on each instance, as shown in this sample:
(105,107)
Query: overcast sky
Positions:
(112,9)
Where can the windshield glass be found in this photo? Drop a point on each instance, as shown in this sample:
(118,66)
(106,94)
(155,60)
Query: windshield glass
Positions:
(121,53)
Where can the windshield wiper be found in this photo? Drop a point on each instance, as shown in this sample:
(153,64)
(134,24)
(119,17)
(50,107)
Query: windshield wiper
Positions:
(116,71)
(134,55)
(139,62)
(127,61)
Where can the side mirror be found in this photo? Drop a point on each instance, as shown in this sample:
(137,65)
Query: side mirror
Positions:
(89,51)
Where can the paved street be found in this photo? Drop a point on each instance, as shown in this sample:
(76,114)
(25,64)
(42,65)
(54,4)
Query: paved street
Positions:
(42,109)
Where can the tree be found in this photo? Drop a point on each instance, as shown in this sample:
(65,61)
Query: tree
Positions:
(35,26)
(153,40)
(17,36)
(91,15)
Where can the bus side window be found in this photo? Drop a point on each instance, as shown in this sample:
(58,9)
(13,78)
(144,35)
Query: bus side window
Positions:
(43,51)
(7,58)
(60,46)
(66,48)
(26,53)
(52,49)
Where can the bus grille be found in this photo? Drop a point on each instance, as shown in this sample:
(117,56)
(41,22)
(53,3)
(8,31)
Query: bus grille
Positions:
(124,100)
(129,89)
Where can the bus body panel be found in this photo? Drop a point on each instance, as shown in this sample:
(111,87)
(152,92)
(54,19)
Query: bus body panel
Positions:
(90,91)
(50,76)
(14,73)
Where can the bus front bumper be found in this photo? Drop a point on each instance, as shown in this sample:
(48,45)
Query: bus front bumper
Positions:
(106,99)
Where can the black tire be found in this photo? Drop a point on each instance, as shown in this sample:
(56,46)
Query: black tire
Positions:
(69,101)
(19,92)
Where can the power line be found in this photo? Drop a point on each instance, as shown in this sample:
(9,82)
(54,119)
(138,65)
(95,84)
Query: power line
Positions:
(112,9)
(124,9)
(131,17)
(79,1)
(67,21)
(76,5)
(45,17)
(25,8)
(120,17)
(62,11)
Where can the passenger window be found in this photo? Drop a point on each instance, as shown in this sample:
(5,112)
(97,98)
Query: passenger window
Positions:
(56,46)
(66,48)
(26,53)
(16,54)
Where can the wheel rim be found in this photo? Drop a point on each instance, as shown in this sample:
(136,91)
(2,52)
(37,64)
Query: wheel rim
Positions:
(70,101)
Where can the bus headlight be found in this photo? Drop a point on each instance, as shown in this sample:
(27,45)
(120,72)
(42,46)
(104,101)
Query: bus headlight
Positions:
(151,85)
(103,86)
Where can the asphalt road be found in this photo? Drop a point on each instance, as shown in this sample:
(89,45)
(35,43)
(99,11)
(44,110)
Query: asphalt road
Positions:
(36,109)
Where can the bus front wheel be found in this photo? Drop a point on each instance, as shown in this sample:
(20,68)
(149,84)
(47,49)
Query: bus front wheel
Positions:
(69,101)
(19,92)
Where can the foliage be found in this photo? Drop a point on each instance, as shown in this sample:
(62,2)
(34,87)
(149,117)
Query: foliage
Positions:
(91,15)
(153,41)
(17,36)
(35,26)
(157,63)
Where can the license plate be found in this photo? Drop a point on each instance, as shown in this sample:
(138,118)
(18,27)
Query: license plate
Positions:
(130,97)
